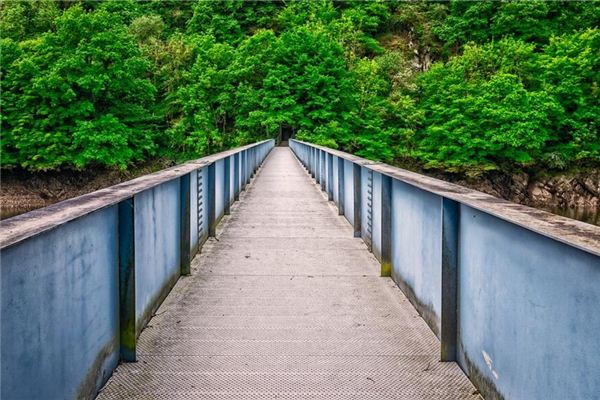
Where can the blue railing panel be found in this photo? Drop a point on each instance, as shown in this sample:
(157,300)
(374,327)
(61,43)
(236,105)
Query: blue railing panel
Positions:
(376,216)
(157,250)
(366,206)
(348,191)
(416,249)
(205,207)
(335,180)
(528,311)
(60,311)
(231,179)
(194,241)
(219,188)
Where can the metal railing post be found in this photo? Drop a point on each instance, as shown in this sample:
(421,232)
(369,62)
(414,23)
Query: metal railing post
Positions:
(318,179)
(211,206)
(305,153)
(356,175)
(227,185)
(236,176)
(127,317)
(323,174)
(317,166)
(320,166)
(184,223)
(329,176)
(386,225)
(247,166)
(449,318)
(340,187)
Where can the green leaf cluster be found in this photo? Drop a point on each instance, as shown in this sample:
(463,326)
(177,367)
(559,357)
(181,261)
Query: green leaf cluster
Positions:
(76,96)
(461,86)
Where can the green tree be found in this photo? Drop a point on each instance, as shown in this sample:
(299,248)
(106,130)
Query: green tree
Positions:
(113,82)
(571,73)
(21,20)
(255,60)
(77,96)
(230,20)
(483,110)
(309,86)
(532,21)
(207,99)
(300,12)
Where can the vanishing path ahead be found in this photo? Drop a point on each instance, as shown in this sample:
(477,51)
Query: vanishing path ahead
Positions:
(286,304)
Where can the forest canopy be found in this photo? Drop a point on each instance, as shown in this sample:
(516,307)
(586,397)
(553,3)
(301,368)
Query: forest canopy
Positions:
(458,86)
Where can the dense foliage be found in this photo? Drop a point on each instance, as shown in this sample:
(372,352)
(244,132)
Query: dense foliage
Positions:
(462,86)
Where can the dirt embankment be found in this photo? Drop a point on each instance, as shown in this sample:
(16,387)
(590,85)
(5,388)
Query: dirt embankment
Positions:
(22,191)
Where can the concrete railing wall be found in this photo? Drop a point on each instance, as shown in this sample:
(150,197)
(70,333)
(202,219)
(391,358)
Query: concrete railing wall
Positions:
(513,293)
(81,278)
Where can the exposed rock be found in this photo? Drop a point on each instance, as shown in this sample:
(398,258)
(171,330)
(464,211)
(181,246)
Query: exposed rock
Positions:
(572,195)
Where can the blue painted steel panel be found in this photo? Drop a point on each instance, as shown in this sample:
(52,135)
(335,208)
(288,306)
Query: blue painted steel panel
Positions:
(205,205)
(156,246)
(240,173)
(416,248)
(219,188)
(60,323)
(231,179)
(349,190)
(364,205)
(377,215)
(193,212)
(335,180)
(328,176)
(528,311)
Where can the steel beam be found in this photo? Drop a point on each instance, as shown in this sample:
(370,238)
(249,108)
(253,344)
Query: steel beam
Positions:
(184,223)
(386,225)
(357,224)
(329,176)
(246,168)
(127,318)
(211,206)
(323,174)
(449,318)
(227,185)
(341,184)
(236,176)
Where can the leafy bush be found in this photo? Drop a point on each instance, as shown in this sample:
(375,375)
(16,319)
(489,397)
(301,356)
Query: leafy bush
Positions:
(114,82)
(532,21)
(87,78)
(571,72)
(504,104)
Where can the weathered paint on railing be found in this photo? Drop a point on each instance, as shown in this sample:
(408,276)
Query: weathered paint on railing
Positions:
(81,278)
(512,292)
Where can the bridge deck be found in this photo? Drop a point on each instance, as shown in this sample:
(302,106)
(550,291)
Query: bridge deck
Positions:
(286,304)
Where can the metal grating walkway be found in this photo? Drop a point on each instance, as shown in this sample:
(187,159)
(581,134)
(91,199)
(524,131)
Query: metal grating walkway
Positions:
(286,304)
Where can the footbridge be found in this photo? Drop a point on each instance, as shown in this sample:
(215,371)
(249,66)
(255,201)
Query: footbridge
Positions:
(297,272)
